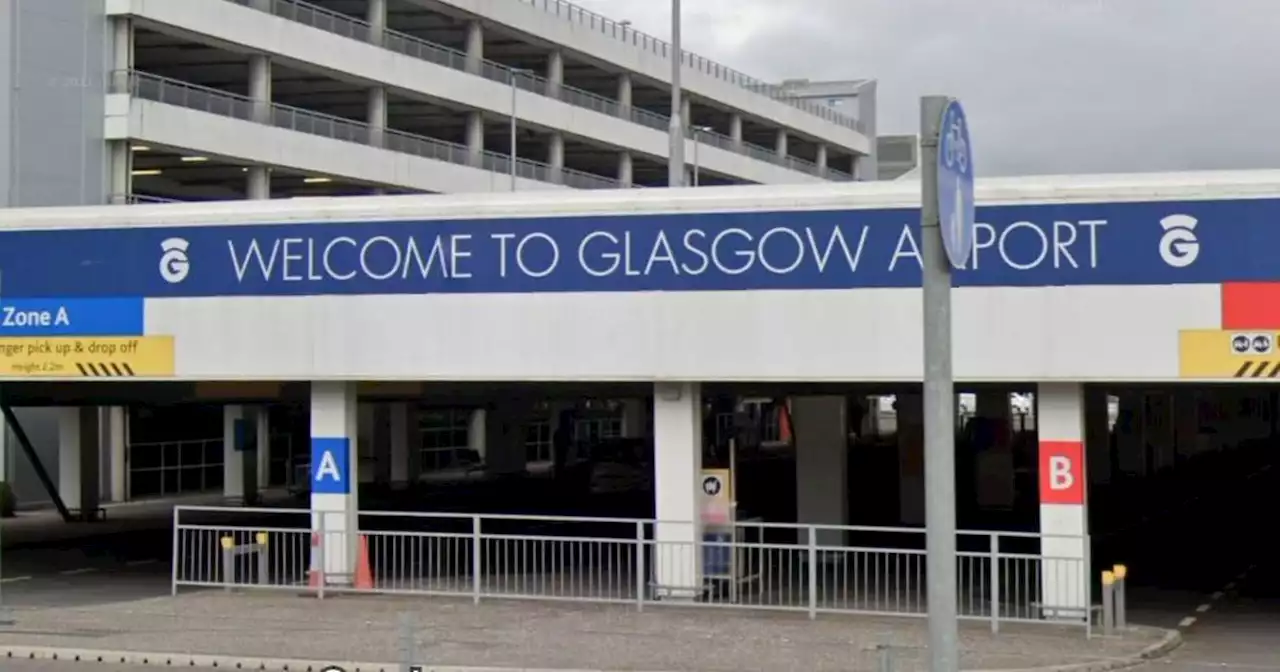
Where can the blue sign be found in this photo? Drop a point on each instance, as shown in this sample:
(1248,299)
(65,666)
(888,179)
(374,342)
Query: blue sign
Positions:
(956,202)
(71,317)
(329,473)
(1132,243)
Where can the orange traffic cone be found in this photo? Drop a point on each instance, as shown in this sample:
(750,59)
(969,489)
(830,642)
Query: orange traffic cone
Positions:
(315,575)
(784,421)
(364,574)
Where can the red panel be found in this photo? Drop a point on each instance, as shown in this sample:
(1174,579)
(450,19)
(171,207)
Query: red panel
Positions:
(1062,474)
(1251,305)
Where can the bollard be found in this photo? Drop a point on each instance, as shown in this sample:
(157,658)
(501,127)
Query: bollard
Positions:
(1120,572)
(228,563)
(885,662)
(1108,601)
(264,567)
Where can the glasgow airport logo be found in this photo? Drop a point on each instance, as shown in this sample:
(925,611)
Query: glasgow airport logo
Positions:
(175,265)
(1179,246)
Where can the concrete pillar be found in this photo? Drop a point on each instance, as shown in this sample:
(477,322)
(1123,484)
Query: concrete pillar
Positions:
(376,16)
(383,439)
(735,129)
(403,426)
(634,418)
(677,469)
(475,47)
(1064,574)
(240,479)
(475,137)
(1186,422)
(624,93)
(115,440)
(260,87)
(1097,435)
(376,116)
(504,449)
(821,434)
(910,435)
(994,471)
(686,109)
(821,159)
(334,466)
(120,156)
(476,434)
(780,143)
(626,170)
(259,177)
(1157,430)
(262,425)
(1131,457)
(555,157)
(555,73)
(78,458)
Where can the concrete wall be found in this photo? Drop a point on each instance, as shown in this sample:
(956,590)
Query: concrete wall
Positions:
(860,334)
(52,80)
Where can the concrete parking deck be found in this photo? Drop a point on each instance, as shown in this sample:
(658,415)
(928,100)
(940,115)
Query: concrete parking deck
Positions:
(359,630)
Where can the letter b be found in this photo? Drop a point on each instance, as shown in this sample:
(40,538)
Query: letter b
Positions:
(1060,477)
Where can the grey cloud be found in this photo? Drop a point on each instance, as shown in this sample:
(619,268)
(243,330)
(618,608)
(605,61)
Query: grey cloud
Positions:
(1051,86)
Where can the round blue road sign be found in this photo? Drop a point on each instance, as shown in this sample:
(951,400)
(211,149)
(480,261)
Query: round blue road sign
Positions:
(956,206)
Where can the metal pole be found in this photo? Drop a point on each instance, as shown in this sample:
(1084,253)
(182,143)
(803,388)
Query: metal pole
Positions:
(697,140)
(939,404)
(513,129)
(675,164)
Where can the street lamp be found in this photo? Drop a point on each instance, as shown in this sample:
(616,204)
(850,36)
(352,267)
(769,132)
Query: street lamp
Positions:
(697,136)
(514,73)
(675,164)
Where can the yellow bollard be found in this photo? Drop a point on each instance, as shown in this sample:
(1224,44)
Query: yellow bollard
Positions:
(261,538)
(1120,572)
(227,543)
(1108,601)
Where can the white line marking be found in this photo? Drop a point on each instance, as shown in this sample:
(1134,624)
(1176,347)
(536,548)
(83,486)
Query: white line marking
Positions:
(1203,608)
(139,563)
(1216,596)
(14,579)
(82,570)
(1186,622)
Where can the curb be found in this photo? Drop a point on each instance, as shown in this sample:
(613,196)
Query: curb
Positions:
(1171,640)
(95,656)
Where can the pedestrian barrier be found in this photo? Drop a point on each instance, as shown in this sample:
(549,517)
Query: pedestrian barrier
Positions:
(818,569)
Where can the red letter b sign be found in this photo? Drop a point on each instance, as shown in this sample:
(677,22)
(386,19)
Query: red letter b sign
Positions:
(1062,472)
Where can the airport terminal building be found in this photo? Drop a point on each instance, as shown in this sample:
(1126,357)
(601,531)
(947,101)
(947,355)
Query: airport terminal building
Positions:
(202,100)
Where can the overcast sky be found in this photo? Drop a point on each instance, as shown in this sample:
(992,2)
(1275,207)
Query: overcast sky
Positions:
(1050,86)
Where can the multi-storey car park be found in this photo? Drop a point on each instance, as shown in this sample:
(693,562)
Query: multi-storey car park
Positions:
(227,99)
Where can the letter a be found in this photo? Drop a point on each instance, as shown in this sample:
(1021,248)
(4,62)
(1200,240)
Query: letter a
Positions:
(328,466)
(1060,477)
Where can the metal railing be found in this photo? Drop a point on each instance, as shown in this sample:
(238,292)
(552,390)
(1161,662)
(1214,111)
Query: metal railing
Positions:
(1003,577)
(215,101)
(414,47)
(625,33)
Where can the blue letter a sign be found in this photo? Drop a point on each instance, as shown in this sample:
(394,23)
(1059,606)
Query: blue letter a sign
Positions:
(329,473)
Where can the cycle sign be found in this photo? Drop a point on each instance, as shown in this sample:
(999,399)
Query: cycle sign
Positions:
(956,205)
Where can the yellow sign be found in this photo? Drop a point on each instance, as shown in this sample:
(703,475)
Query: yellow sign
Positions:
(87,356)
(1213,353)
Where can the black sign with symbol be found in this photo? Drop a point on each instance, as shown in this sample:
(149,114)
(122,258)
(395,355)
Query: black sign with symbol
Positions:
(1262,343)
(711,485)
(1240,344)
